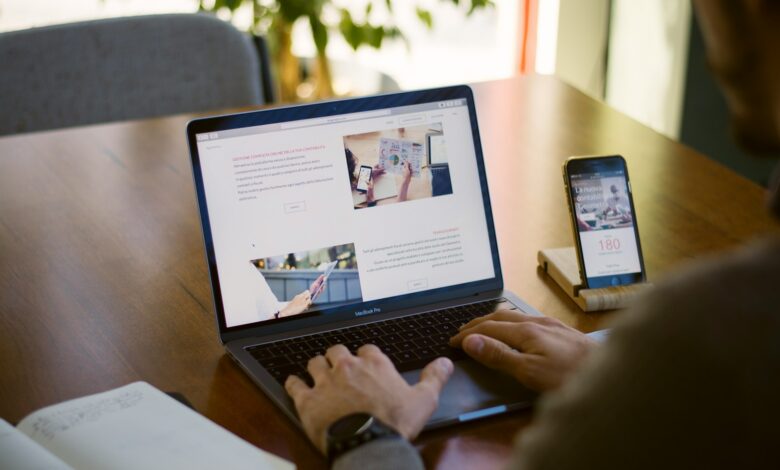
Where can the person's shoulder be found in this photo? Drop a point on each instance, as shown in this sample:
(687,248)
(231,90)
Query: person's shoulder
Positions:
(748,275)
(726,298)
(689,369)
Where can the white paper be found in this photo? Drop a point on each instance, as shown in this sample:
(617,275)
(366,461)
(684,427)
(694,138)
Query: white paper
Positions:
(19,452)
(393,153)
(384,187)
(138,426)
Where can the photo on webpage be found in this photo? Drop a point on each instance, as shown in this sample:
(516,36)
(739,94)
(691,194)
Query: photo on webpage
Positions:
(397,165)
(295,283)
(601,203)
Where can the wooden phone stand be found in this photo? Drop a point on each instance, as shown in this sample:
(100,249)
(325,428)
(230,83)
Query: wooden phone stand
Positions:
(561,265)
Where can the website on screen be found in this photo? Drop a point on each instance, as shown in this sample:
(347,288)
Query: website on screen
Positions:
(605,224)
(293,231)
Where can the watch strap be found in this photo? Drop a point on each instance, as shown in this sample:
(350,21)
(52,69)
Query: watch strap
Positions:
(377,430)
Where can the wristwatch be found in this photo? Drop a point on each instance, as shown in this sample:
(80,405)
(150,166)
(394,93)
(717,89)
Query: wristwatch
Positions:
(354,430)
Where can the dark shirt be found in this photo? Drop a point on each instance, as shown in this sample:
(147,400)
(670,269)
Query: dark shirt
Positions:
(689,378)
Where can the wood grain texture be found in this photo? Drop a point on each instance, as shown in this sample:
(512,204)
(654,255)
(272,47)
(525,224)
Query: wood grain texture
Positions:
(103,278)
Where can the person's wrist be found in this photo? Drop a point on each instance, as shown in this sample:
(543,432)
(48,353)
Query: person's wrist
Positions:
(588,345)
(353,431)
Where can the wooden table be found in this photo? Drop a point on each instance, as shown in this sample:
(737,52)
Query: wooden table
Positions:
(103,279)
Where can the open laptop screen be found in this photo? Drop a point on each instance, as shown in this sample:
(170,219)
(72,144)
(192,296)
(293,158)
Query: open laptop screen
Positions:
(342,212)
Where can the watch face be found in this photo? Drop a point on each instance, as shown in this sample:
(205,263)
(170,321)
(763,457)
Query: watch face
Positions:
(350,425)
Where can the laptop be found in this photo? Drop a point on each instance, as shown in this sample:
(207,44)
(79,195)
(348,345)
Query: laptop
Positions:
(296,265)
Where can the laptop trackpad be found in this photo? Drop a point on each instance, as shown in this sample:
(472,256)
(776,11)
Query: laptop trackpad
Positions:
(474,391)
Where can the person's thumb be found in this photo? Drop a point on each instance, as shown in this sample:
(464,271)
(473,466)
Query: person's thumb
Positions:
(434,376)
(492,353)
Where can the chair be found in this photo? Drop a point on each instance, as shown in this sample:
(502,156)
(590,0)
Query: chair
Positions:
(127,68)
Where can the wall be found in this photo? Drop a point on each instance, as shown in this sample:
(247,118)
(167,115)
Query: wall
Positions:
(458,49)
(583,27)
(647,61)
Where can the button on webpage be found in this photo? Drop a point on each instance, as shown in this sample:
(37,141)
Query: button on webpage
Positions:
(413,119)
(297,206)
(417,284)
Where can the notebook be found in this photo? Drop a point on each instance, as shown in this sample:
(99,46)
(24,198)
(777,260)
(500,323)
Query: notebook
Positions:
(131,427)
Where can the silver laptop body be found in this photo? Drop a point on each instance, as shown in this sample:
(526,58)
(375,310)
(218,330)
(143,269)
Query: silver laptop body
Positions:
(297,248)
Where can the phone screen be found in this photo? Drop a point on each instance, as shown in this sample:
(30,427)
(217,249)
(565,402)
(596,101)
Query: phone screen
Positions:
(326,274)
(363,178)
(605,221)
(437,150)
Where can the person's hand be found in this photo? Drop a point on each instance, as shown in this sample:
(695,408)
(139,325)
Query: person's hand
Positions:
(377,171)
(540,352)
(367,383)
(406,171)
(583,226)
(406,178)
(370,191)
(297,305)
(317,286)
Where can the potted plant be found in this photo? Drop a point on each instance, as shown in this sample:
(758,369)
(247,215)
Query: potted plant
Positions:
(274,19)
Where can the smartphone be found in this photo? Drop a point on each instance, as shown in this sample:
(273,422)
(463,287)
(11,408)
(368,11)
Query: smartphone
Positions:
(436,149)
(363,178)
(603,220)
(328,270)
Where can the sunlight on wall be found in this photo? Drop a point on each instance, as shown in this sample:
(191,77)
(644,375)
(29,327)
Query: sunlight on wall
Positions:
(547,36)
(457,50)
(647,61)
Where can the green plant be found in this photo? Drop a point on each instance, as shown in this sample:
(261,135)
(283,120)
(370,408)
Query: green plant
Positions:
(274,19)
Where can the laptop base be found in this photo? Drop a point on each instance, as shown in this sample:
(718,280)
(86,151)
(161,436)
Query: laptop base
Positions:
(473,392)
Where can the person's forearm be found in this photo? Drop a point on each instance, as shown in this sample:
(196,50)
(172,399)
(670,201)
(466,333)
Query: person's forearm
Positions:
(402,192)
(382,454)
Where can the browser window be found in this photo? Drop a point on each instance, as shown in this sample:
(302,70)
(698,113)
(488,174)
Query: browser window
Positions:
(293,234)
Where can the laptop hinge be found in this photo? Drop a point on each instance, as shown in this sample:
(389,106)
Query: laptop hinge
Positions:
(293,332)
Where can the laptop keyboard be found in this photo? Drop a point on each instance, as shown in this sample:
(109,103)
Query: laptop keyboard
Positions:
(410,342)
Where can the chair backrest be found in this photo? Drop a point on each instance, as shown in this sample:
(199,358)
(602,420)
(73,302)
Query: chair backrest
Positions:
(124,68)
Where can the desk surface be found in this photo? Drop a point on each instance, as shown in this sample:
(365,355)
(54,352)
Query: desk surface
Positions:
(103,279)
